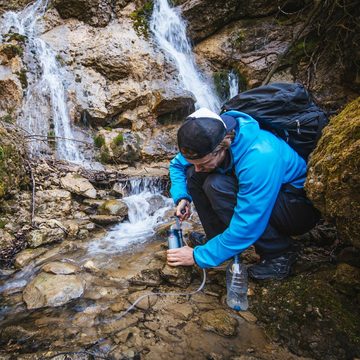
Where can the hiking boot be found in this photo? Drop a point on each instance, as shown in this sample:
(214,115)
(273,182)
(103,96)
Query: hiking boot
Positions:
(277,268)
(197,238)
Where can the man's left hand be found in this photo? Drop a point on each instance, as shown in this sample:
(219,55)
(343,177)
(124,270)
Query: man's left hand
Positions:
(181,256)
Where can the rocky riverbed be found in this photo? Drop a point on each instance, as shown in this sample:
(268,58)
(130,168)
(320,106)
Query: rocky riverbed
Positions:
(68,291)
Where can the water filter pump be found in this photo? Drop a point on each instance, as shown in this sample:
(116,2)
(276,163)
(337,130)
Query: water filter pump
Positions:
(175,237)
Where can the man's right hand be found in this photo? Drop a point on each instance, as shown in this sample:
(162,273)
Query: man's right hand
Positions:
(183,211)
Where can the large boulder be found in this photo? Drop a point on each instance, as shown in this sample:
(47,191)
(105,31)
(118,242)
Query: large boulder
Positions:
(333,181)
(52,290)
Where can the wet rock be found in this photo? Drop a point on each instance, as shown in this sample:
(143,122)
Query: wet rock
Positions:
(45,236)
(105,219)
(181,311)
(156,202)
(248,316)
(26,256)
(333,181)
(119,306)
(114,207)
(52,290)
(179,276)
(60,268)
(94,292)
(148,277)
(79,185)
(144,304)
(219,322)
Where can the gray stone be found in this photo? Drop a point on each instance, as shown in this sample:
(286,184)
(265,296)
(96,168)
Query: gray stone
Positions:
(60,268)
(179,276)
(78,185)
(52,290)
(24,257)
(45,236)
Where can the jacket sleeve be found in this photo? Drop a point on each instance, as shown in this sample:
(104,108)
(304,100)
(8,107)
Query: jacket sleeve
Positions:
(259,185)
(178,168)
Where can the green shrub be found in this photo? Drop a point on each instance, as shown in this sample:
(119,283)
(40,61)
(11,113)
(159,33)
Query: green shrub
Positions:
(119,139)
(99,141)
(141,18)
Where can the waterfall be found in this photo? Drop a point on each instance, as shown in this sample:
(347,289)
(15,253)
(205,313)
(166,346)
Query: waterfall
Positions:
(146,210)
(233,84)
(44,111)
(170,33)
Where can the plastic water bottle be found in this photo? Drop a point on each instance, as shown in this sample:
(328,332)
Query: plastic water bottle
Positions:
(237,285)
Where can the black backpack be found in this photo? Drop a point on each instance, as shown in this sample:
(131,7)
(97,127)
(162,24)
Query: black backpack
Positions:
(285,109)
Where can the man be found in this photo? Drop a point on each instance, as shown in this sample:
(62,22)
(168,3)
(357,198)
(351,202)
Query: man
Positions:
(247,187)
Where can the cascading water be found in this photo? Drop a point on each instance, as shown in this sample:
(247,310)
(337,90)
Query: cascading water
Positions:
(170,33)
(146,208)
(233,84)
(44,110)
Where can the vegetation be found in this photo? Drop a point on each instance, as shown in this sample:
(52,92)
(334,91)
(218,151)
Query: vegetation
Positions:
(7,118)
(141,18)
(23,78)
(99,141)
(119,140)
(12,50)
(15,36)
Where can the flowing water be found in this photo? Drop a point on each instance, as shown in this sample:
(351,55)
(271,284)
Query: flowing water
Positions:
(233,84)
(44,111)
(169,31)
(146,207)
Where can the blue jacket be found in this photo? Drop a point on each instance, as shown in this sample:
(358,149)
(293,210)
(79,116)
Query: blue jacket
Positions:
(262,163)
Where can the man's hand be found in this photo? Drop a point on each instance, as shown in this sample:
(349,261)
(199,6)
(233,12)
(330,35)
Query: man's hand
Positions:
(183,211)
(180,256)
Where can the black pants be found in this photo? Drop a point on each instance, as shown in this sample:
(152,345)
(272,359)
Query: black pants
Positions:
(214,197)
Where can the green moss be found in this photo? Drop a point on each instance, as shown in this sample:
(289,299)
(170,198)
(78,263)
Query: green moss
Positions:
(141,18)
(222,84)
(119,139)
(99,141)
(308,304)
(237,39)
(7,118)
(60,60)
(2,153)
(2,222)
(23,78)
(15,36)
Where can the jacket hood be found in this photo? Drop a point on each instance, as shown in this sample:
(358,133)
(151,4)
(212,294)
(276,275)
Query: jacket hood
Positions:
(247,130)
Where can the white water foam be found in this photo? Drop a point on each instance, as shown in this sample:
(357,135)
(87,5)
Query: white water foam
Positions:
(169,31)
(233,84)
(140,226)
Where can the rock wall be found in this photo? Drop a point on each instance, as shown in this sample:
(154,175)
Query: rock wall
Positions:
(333,181)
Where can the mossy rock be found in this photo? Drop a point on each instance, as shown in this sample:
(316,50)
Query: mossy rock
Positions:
(333,181)
(310,316)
